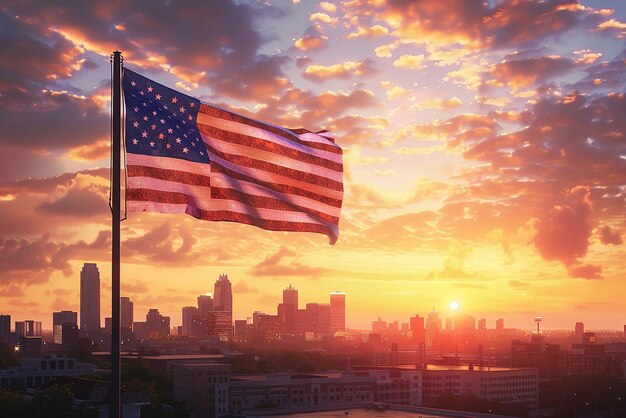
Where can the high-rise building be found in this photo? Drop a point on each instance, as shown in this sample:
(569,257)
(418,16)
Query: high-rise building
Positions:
(337,312)
(5,328)
(90,298)
(579,331)
(433,327)
(290,296)
(500,324)
(205,304)
(417,329)
(482,325)
(126,313)
(288,312)
(188,313)
(223,294)
(60,318)
(28,328)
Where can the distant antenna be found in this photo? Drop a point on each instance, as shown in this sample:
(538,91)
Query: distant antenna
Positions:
(538,320)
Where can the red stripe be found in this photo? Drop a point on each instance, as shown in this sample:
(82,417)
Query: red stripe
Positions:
(169,175)
(282,188)
(264,202)
(256,143)
(147,195)
(285,133)
(277,169)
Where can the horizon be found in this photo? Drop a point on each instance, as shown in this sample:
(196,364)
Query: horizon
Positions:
(484,156)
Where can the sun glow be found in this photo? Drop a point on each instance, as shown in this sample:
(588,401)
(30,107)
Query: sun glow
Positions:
(454,305)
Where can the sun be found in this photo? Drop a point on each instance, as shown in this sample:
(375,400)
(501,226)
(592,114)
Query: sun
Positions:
(454,305)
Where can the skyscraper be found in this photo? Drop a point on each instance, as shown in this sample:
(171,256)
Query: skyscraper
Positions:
(188,313)
(290,296)
(223,294)
(417,329)
(205,304)
(5,328)
(126,312)
(337,312)
(60,318)
(579,331)
(90,298)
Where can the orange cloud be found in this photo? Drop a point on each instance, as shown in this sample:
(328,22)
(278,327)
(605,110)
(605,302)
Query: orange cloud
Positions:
(311,42)
(344,70)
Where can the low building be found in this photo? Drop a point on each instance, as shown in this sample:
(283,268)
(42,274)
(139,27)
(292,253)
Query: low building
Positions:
(203,387)
(497,384)
(34,372)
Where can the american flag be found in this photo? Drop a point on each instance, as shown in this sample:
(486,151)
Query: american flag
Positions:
(184,156)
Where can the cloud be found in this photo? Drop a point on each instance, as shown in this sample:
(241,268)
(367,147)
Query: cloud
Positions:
(610,236)
(348,69)
(278,264)
(242,287)
(30,262)
(439,104)
(587,271)
(411,62)
(522,73)
(311,42)
(564,233)
(164,245)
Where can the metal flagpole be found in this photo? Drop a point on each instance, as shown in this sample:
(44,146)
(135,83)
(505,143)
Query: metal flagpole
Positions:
(116,99)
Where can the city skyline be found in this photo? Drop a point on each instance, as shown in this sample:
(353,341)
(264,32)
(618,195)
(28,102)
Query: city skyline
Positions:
(431,319)
(484,155)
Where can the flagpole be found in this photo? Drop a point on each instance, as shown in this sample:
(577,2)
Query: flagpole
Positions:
(116,100)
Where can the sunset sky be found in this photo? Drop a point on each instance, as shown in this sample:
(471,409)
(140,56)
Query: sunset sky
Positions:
(484,154)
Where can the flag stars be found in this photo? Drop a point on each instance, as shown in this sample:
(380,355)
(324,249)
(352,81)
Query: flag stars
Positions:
(136,109)
(170,130)
(133,83)
(174,100)
(152,144)
(178,140)
(145,118)
(161,136)
(135,124)
(158,97)
(135,141)
(150,89)
(162,121)
(168,146)
(182,109)
(153,126)
(144,134)
(186,150)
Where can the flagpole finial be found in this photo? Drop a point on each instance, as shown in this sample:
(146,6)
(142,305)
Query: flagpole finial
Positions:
(114,54)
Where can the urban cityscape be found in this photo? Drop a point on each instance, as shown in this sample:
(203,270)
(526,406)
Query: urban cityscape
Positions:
(305,358)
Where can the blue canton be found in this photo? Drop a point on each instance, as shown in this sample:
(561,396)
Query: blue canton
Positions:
(161,121)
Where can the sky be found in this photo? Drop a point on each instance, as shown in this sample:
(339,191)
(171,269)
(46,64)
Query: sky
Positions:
(484,154)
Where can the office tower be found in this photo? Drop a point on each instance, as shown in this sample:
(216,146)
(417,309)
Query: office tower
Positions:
(90,298)
(500,324)
(223,294)
(317,319)
(126,313)
(579,331)
(60,318)
(465,325)
(156,326)
(290,296)
(288,312)
(28,328)
(433,327)
(482,325)
(417,329)
(205,304)
(337,312)
(5,328)
(379,327)
(188,313)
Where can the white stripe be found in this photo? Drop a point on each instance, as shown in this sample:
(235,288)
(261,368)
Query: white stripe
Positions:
(262,175)
(169,163)
(272,158)
(233,206)
(202,193)
(269,136)
(320,138)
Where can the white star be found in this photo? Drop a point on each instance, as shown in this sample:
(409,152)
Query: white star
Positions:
(144,134)
(135,142)
(186,150)
(174,100)
(132,83)
(136,109)
(150,89)
(161,136)
(152,143)
(153,126)
(168,146)
(182,110)
(158,97)
(145,118)
(170,130)
(178,140)
(135,124)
